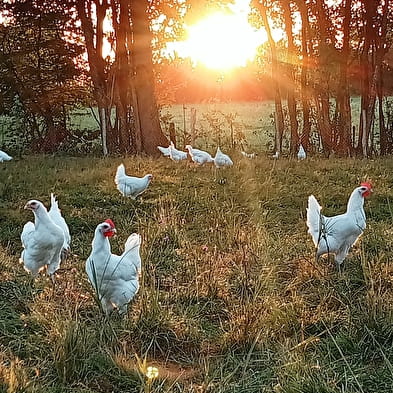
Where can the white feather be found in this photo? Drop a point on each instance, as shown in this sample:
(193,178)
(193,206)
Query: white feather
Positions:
(200,157)
(42,241)
(222,160)
(58,219)
(337,234)
(131,186)
(115,278)
(4,156)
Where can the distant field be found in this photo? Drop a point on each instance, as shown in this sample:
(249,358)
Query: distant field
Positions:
(252,122)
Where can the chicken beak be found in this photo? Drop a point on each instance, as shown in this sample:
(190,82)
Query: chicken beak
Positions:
(27,206)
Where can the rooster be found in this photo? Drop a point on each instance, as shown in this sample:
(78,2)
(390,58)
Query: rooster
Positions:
(4,156)
(200,157)
(222,160)
(42,241)
(115,278)
(57,218)
(131,186)
(337,234)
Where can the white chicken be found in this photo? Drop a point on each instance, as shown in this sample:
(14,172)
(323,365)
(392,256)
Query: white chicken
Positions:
(301,154)
(42,241)
(337,234)
(222,160)
(276,155)
(164,150)
(200,157)
(130,186)
(58,219)
(4,156)
(249,155)
(115,278)
(175,154)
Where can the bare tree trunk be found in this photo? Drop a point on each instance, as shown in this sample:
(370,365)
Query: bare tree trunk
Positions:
(291,99)
(103,131)
(344,143)
(121,23)
(192,126)
(375,48)
(305,94)
(279,115)
(94,43)
(150,127)
(322,90)
(385,144)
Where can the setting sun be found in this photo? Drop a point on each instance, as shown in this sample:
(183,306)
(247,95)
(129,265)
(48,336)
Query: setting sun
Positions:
(222,40)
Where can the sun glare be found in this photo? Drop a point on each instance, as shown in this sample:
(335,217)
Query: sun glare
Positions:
(222,41)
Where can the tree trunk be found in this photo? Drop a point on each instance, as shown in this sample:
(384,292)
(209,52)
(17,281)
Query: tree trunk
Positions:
(375,48)
(122,76)
(146,106)
(305,93)
(322,89)
(94,43)
(279,115)
(385,144)
(343,125)
(291,55)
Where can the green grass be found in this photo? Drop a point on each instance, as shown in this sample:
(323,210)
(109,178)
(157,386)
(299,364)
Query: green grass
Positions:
(231,298)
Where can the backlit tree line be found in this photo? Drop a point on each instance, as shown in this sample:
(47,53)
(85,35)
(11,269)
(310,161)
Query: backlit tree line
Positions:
(338,49)
(54,55)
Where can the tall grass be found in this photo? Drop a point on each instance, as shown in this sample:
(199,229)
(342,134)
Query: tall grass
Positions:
(231,297)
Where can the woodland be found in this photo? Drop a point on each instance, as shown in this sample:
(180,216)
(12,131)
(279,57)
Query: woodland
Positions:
(52,60)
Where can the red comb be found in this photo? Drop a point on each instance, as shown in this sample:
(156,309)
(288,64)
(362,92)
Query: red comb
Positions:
(110,222)
(367,184)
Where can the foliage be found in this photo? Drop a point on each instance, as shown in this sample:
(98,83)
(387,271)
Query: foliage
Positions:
(38,70)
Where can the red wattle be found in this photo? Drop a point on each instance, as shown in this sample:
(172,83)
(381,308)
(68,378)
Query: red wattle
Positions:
(109,233)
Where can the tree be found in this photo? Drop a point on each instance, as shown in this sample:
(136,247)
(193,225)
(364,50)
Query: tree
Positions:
(261,6)
(344,143)
(290,66)
(125,82)
(38,66)
(305,91)
(375,46)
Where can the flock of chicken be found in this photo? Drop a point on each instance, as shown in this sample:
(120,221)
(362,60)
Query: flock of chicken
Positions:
(115,278)
(200,157)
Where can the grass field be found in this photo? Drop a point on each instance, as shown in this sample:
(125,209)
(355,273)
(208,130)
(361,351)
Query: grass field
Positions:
(231,298)
(252,123)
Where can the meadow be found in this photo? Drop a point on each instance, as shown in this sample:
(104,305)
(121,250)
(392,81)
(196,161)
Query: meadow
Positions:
(231,298)
(251,123)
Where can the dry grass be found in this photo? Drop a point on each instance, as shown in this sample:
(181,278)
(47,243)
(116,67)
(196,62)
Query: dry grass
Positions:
(231,299)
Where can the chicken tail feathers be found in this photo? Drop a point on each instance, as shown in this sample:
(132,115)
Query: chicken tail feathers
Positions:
(314,219)
(133,242)
(121,172)
(53,202)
